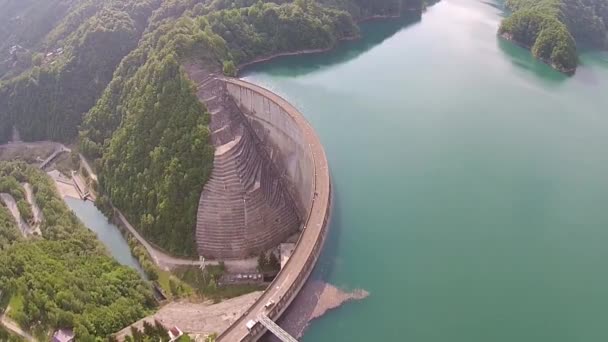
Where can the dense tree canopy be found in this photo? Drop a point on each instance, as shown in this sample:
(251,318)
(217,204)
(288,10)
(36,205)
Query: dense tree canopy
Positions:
(551,27)
(146,131)
(149,130)
(159,157)
(48,101)
(66,278)
(8,228)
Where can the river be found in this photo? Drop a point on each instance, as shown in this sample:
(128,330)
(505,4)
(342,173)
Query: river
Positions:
(471,182)
(107,233)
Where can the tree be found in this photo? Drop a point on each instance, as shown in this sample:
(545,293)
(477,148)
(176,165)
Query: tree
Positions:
(229,69)
(262,262)
(37,59)
(273,262)
(92,287)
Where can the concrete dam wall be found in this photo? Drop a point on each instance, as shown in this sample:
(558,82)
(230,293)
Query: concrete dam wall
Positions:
(282,139)
(245,207)
(299,158)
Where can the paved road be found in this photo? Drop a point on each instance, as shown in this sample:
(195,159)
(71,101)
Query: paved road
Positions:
(167,261)
(160,258)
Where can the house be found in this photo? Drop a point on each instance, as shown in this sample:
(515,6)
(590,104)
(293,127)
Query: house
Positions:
(63,335)
(174,334)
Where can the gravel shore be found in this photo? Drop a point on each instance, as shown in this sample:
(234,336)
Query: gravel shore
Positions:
(314,300)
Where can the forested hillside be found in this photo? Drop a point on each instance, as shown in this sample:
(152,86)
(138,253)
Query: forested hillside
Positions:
(9,232)
(553,28)
(152,172)
(25,23)
(65,278)
(147,132)
(49,100)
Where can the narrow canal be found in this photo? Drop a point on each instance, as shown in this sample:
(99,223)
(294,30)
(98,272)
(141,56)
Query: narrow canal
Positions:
(471,182)
(107,232)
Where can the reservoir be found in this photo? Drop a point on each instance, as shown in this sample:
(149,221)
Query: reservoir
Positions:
(107,233)
(471,182)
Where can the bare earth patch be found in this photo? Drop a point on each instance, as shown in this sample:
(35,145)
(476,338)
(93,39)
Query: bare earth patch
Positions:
(199,319)
(32,153)
(314,300)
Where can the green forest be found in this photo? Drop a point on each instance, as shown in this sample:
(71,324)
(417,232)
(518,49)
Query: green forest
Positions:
(115,83)
(71,69)
(552,29)
(155,159)
(65,278)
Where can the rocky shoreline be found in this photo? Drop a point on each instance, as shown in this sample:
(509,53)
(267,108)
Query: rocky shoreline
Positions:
(314,300)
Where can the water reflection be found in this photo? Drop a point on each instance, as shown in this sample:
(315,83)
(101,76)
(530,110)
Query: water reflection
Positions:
(372,33)
(107,233)
(522,59)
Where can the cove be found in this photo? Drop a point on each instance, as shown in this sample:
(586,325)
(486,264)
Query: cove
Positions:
(470,181)
(107,233)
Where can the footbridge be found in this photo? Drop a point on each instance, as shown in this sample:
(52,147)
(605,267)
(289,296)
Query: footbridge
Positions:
(297,152)
(52,157)
(275,329)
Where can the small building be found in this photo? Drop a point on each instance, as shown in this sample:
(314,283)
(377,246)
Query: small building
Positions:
(174,334)
(63,335)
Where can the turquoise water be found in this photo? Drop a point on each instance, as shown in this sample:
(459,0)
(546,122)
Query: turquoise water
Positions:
(471,182)
(107,233)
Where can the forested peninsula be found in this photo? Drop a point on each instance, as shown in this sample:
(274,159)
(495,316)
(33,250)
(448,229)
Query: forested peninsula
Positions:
(110,76)
(553,29)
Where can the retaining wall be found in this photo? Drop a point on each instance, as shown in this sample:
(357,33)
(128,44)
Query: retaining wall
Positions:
(298,154)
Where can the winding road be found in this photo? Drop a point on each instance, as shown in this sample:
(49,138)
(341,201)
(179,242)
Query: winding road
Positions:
(29,194)
(13,327)
(164,260)
(11,204)
(167,262)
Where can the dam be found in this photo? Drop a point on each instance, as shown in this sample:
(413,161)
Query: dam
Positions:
(245,207)
(270,180)
(469,182)
(297,152)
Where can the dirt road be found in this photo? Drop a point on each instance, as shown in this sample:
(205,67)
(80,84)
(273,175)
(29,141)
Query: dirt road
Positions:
(199,318)
(12,207)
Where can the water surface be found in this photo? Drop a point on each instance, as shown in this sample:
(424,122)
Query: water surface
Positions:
(107,233)
(471,182)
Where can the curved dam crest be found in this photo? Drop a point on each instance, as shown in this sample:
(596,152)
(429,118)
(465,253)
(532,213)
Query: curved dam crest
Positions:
(299,157)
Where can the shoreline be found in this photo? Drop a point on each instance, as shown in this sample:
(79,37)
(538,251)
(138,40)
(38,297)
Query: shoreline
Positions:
(268,58)
(509,37)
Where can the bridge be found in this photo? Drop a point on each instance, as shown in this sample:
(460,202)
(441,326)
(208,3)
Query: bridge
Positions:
(57,152)
(275,329)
